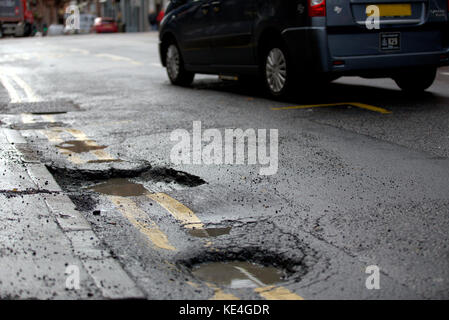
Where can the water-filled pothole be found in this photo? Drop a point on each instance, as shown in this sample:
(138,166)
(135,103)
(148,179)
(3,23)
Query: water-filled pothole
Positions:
(120,187)
(79,146)
(209,232)
(238,274)
(104,160)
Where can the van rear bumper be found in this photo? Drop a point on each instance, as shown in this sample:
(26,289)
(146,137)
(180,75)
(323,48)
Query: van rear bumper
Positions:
(309,51)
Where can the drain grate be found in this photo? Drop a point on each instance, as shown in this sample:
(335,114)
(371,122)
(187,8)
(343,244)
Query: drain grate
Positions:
(42,107)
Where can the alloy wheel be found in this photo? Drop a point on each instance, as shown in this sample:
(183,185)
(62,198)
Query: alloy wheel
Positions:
(276,70)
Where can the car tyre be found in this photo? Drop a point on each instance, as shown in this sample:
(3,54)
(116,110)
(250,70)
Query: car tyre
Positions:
(276,71)
(176,72)
(417,80)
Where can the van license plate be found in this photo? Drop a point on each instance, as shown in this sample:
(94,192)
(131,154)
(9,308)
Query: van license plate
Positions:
(390,41)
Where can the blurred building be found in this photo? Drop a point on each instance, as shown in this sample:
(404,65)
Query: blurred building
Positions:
(133,15)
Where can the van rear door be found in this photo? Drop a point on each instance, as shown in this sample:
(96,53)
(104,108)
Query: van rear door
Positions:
(405,26)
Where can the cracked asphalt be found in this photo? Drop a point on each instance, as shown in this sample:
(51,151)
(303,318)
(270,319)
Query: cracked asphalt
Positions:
(354,187)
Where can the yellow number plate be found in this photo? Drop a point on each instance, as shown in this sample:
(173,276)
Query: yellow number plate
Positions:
(395,10)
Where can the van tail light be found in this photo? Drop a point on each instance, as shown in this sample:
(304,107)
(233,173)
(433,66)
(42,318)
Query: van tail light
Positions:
(317,8)
(17,11)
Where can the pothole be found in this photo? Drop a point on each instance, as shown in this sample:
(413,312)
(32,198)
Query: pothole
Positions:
(123,179)
(48,112)
(105,160)
(79,146)
(209,232)
(238,274)
(42,107)
(120,187)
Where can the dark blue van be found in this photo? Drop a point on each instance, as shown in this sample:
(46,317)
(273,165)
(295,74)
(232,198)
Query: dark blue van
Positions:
(288,41)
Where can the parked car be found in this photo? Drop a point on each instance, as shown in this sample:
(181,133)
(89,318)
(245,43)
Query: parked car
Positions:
(102,24)
(287,42)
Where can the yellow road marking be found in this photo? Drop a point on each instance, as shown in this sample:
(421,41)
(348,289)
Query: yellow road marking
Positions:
(13,94)
(99,154)
(354,104)
(52,136)
(370,107)
(142,222)
(177,210)
(78,134)
(32,97)
(48,117)
(27,118)
(118,58)
(82,51)
(277,293)
(102,155)
(219,294)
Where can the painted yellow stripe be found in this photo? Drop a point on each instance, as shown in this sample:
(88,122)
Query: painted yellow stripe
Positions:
(32,97)
(102,155)
(354,104)
(118,58)
(55,137)
(277,293)
(177,210)
(369,107)
(219,294)
(78,134)
(99,154)
(142,222)
(27,118)
(13,94)
(48,117)
(52,136)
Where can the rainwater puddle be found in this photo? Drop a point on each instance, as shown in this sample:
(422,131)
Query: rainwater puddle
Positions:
(80,146)
(120,187)
(209,232)
(237,274)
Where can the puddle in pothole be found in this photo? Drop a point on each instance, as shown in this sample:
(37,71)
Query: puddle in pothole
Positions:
(238,274)
(79,146)
(48,112)
(209,232)
(104,160)
(120,187)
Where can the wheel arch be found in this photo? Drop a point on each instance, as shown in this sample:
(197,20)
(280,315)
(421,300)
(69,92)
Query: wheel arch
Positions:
(267,37)
(167,38)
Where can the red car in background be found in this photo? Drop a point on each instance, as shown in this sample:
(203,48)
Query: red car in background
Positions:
(102,25)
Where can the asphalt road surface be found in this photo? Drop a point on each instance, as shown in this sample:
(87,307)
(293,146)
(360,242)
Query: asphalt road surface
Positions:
(362,180)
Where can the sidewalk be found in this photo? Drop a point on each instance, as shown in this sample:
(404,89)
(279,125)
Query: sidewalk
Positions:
(41,235)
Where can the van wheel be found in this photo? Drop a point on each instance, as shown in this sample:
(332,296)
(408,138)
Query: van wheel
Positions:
(276,71)
(175,67)
(416,80)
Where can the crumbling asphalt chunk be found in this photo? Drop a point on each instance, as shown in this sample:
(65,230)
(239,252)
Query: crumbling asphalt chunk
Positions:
(29,191)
